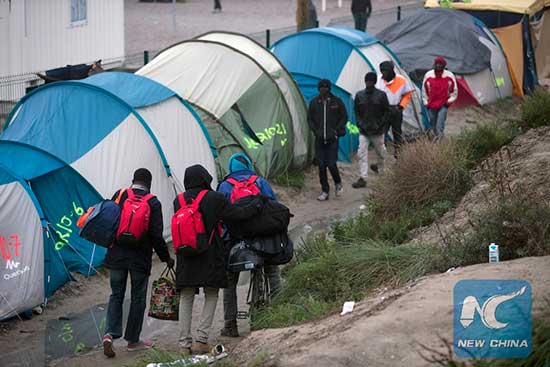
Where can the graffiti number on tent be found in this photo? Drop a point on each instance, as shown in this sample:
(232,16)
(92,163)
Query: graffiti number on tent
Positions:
(63,226)
(267,134)
(9,246)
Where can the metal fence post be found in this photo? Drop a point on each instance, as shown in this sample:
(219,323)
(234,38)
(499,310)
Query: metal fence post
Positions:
(398,13)
(267,38)
(145,57)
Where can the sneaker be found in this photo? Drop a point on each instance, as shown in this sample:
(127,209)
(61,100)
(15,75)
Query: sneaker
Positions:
(359,184)
(140,345)
(108,350)
(374,168)
(201,348)
(339,190)
(323,196)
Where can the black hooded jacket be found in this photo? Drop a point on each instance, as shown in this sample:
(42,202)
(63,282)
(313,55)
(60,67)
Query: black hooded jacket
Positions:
(327,118)
(371,110)
(209,268)
(138,258)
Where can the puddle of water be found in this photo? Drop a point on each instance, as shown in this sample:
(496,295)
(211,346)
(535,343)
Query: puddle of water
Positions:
(74,335)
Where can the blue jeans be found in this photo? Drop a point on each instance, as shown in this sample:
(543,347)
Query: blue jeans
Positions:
(138,282)
(360,21)
(437,120)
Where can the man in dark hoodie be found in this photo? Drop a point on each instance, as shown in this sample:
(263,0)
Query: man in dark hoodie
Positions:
(241,169)
(327,117)
(371,108)
(135,260)
(207,270)
(361,9)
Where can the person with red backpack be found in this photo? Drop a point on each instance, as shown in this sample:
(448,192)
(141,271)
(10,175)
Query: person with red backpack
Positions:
(201,252)
(243,181)
(140,231)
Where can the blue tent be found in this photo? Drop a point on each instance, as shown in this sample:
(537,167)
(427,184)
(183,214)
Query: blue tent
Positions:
(69,144)
(344,56)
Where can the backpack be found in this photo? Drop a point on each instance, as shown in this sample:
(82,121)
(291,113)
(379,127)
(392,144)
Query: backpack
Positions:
(188,231)
(134,218)
(243,258)
(276,249)
(243,188)
(100,223)
(273,218)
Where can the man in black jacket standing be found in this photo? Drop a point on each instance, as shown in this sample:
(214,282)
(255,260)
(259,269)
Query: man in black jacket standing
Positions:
(327,118)
(361,10)
(371,109)
(135,260)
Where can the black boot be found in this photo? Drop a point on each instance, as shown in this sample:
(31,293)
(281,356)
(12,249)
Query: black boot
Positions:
(230,329)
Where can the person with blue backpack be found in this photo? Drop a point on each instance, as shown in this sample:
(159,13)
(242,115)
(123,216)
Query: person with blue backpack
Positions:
(201,252)
(241,181)
(139,232)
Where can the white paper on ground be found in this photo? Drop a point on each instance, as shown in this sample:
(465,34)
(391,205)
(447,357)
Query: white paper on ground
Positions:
(348,307)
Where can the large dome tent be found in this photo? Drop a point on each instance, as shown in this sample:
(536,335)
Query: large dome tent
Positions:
(238,100)
(344,56)
(471,50)
(110,124)
(285,82)
(75,142)
(39,203)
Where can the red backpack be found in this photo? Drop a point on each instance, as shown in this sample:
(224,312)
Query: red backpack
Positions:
(243,188)
(134,218)
(188,231)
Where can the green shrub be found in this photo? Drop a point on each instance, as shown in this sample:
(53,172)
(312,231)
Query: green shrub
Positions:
(535,110)
(519,224)
(484,140)
(426,173)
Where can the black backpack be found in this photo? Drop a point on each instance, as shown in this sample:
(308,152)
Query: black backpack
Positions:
(273,219)
(277,249)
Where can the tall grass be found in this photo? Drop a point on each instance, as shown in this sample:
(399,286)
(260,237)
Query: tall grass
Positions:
(328,273)
(535,110)
(425,173)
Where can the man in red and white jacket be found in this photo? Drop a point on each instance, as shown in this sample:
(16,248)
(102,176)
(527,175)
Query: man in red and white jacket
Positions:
(439,91)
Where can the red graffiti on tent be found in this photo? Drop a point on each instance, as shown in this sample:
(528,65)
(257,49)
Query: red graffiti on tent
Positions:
(8,244)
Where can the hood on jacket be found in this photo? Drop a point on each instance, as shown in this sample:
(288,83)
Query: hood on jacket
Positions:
(236,164)
(197,177)
(440,59)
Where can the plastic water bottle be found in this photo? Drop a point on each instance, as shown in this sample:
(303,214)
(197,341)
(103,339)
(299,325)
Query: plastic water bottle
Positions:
(493,253)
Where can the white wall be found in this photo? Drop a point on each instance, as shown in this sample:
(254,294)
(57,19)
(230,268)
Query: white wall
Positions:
(36,35)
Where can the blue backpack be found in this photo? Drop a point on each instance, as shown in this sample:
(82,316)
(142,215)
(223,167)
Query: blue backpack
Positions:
(100,223)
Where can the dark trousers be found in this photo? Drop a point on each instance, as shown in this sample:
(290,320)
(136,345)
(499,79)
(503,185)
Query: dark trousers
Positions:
(138,282)
(327,155)
(396,123)
(360,21)
(217,4)
(230,305)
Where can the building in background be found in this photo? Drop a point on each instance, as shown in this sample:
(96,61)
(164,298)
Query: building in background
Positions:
(37,35)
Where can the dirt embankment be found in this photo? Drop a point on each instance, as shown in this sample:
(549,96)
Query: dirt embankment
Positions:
(386,330)
(522,165)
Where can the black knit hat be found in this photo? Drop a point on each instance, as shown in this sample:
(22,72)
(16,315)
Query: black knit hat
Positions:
(323,83)
(371,77)
(143,176)
(386,65)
